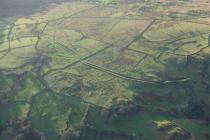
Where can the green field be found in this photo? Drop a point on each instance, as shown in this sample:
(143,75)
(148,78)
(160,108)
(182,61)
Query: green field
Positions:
(105,70)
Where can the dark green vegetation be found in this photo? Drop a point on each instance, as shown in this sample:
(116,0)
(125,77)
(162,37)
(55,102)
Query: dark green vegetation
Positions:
(105,70)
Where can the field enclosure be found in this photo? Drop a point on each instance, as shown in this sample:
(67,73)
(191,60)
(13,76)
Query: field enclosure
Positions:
(106,70)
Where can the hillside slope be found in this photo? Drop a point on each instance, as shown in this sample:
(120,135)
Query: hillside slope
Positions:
(105,70)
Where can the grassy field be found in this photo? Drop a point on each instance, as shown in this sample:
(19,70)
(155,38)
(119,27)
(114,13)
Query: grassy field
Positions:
(105,70)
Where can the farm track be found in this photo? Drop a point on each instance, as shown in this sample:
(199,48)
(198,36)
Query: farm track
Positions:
(135,79)
(76,62)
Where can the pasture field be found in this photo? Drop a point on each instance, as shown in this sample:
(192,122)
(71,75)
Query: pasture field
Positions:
(105,70)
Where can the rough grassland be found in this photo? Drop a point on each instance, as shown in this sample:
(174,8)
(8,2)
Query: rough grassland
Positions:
(106,70)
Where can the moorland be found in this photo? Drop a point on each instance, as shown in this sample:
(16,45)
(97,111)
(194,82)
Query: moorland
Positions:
(105,70)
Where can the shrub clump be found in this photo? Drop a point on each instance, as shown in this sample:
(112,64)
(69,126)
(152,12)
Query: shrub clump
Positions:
(165,124)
